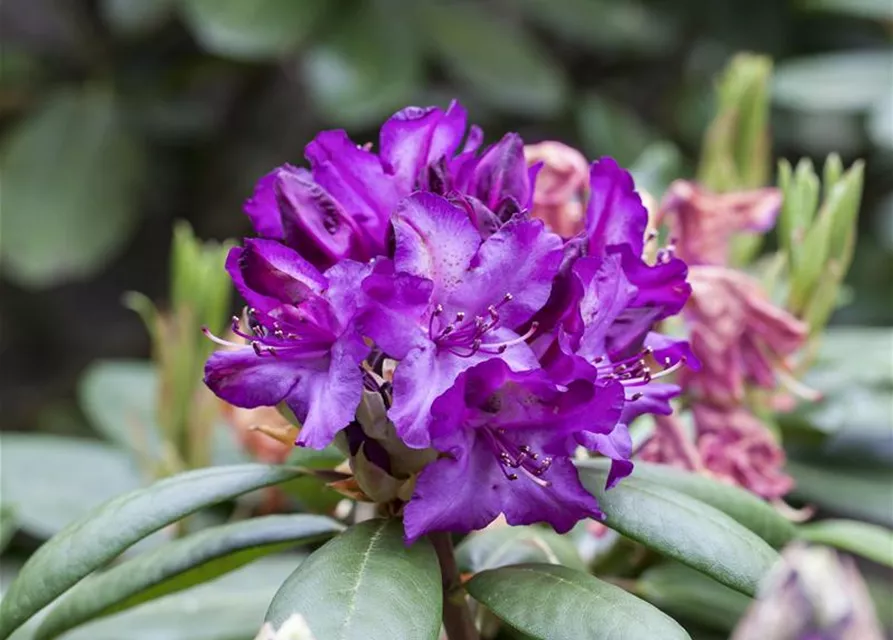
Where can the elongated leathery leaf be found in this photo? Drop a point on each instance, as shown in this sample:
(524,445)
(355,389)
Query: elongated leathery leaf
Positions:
(180,565)
(551,602)
(90,543)
(365,585)
(685,529)
(743,506)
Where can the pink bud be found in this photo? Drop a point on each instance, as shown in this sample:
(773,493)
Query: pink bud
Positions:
(559,197)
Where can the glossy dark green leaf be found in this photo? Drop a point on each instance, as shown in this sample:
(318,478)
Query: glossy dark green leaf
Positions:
(100,536)
(181,564)
(229,608)
(254,30)
(501,64)
(867,540)
(72,176)
(365,69)
(684,529)
(497,547)
(864,492)
(52,480)
(743,506)
(689,595)
(365,584)
(550,602)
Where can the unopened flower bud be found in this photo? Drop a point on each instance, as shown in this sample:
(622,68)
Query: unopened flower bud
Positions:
(559,197)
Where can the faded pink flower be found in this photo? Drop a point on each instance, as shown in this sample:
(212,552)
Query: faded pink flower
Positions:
(735,446)
(559,197)
(739,335)
(670,444)
(703,223)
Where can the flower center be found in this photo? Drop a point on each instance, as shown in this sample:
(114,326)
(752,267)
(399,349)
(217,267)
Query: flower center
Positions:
(271,340)
(636,370)
(464,336)
(514,459)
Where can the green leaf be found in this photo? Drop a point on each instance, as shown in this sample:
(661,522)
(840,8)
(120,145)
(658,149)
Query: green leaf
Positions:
(99,537)
(135,17)
(498,62)
(181,564)
(254,30)
(690,595)
(867,540)
(839,82)
(51,480)
(744,507)
(863,492)
(312,493)
(229,608)
(551,602)
(682,528)
(72,174)
(366,584)
(608,128)
(497,547)
(366,69)
(8,525)
(602,25)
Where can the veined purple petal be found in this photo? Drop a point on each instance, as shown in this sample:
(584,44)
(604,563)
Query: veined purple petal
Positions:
(244,379)
(616,445)
(516,265)
(615,214)
(355,178)
(262,208)
(271,269)
(502,171)
(314,223)
(607,293)
(415,137)
(435,240)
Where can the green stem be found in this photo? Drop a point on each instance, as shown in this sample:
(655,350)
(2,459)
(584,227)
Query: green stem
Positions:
(457,618)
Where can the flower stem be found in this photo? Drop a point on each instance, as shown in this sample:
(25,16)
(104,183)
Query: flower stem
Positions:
(456,615)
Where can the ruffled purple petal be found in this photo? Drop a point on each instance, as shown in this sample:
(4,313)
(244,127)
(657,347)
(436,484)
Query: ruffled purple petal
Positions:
(396,304)
(356,179)
(263,209)
(415,137)
(502,172)
(618,446)
(271,269)
(615,214)
(434,240)
(244,379)
(315,224)
(606,295)
(520,260)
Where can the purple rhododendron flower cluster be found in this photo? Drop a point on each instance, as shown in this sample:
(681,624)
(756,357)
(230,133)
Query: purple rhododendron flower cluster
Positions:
(417,273)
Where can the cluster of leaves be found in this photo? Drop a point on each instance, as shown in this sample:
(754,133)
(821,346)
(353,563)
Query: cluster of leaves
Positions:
(118,568)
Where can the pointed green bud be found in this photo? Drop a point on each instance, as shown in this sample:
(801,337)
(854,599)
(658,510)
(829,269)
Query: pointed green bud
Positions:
(735,153)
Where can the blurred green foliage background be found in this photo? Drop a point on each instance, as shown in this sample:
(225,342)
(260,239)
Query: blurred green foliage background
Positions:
(118,117)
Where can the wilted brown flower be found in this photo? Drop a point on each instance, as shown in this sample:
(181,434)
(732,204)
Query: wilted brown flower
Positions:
(559,198)
(702,223)
(736,447)
(738,334)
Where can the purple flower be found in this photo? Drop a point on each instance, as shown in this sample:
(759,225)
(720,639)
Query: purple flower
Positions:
(304,349)
(505,439)
(340,207)
(480,293)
